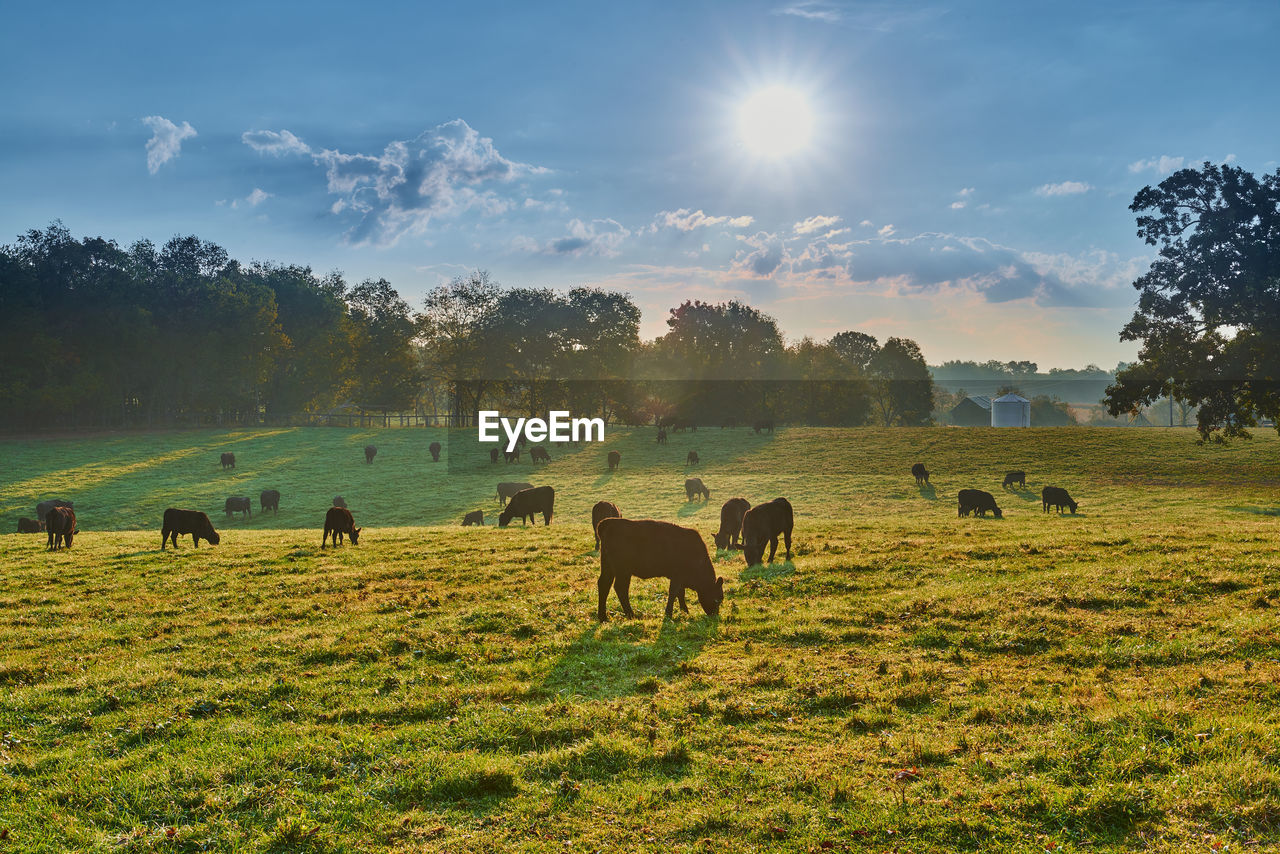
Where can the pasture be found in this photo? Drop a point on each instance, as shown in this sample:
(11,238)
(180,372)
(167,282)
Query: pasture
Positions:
(911,681)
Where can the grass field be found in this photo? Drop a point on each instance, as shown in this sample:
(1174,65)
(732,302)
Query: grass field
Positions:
(1108,681)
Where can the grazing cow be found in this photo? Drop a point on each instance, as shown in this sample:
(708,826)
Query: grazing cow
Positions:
(538,454)
(731,523)
(763,523)
(506,489)
(512,456)
(228,461)
(694,486)
(920,473)
(1012,477)
(61,524)
(434,448)
(647,548)
(475,517)
(978,502)
(339,501)
(614,459)
(43,508)
(239,504)
(338,521)
(29,526)
(662,436)
(370,452)
(692,459)
(765,424)
(270,500)
(1053,496)
(191,522)
(603,510)
(494,454)
(527,504)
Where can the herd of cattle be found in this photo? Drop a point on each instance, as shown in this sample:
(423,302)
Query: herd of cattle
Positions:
(979,502)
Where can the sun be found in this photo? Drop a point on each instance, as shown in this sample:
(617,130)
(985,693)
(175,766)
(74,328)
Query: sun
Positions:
(775,121)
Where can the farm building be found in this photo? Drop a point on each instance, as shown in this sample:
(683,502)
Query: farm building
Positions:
(972,412)
(1011,410)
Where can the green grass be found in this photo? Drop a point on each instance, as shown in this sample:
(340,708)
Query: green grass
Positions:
(1099,682)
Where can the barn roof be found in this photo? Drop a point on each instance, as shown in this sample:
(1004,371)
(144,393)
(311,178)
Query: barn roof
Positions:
(981,400)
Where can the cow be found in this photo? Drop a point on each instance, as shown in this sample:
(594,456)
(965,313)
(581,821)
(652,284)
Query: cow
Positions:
(978,502)
(338,521)
(60,523)
(603,510)
(512,456)
(694,486)
(239,504)
(527,504)
(370,451)
(434,448)
(1012,477)
(270,500)
(191,522)
(692,459)
(506,489)
(682,424)
(765,424)
(920,473)
(731,523)
(647,548)
(228,461)
(614,459)
(475,517)
(662,436)
(29,526)
(538,454)
(1053,496)
(494,454)
(339,501)
(763,523)
(43,508)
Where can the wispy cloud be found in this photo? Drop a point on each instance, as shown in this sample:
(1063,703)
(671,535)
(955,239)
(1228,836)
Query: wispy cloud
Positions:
(166,141)
(813,10)
(962,200)
(687,220)
(815,223)
(600,238)
(274,142)
(1162,165)
(1066,188)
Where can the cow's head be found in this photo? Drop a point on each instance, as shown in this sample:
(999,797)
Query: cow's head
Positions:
(213,537)
(722,541)
(711,597)
(996,512)
(1073,505)
(752,548)
(355,536)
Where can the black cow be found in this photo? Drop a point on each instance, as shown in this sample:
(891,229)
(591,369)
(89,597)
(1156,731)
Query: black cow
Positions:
(191,522)
(270,500)
(228,461)
(239,504)
(647,548)
(512,456)
(694,486)
(29,526)
(475,517)
(538,454)
(603,510)
(765,424)
(494,454)
(614,459)
(527,504)
(1012,477)
(506,489)
(43,508)
(731,513)
(339,501)
(763,523)
(662,436)
(60,522)
(370,452)
(692,459)
(978,502)
(1053,496)
(338,521)
(434,448)
(920,473)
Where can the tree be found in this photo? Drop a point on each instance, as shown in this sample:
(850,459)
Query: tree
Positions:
(386,372)
(1209,307)
(901,385)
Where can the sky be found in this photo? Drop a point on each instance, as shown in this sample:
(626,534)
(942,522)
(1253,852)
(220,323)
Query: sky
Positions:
(964,180)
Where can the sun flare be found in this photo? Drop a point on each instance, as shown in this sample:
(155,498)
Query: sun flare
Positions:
(775,121)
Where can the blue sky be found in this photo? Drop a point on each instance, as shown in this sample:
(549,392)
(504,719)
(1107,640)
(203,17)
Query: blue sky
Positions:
(966,185)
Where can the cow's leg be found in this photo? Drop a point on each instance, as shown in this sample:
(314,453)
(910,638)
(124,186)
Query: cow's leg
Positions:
(622,586)
(602,586)
(673,591)
(786,536)
(680,595)
(773,547)
(195,540)
(164,538)
(324,537)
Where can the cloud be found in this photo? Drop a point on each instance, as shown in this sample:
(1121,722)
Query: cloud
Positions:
(815,223)
(1066,188)
(955,206)
(764,257)
(686,220)
(442,172)
(166,141)
(812,10)
(886,231)
(965,193)
(963,199)
(600,238)
(1162,165)
(254,199)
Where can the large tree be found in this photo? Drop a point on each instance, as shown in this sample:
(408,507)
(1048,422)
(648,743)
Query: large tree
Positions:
(901,385)
(1209,308)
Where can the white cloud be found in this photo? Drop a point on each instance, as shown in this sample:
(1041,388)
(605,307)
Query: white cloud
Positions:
(1066,188)
(955,206)
(966,192)
(866,223)
(1162,165)
(166,141)
(273,142)
(765,257)
(687,220)
(600,238)
(254,199)
(814,223)
(813,10)
(886,231)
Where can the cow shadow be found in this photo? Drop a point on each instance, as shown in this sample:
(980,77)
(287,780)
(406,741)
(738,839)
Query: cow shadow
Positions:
(768,571)
(689,508)
(604,478)
(927,491)
(623,656)
(1023,493)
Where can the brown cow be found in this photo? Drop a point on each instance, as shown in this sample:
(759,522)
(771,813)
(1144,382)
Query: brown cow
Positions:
(647,548)
(270,500)
(508,488)
(662,436)
(239,504)
(191,522)
(369,452)
(694,486)
(763,523)
(527,504)
(434,448)
(228,461)
(475,517)
(494,453)
(614,459)
(603,510)
(29,526)
(920,473)
(61,525)
(731,514)
(338,521)
(43,508)
(538,454)
(692,459)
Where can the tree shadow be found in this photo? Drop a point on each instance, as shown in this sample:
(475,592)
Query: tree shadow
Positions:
(768,571)
(613,659)
(1257,511)
(927,491)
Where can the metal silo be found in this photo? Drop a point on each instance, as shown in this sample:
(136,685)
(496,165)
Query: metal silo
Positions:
(1011,411)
